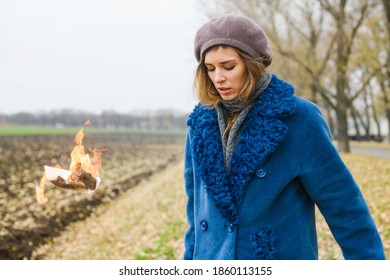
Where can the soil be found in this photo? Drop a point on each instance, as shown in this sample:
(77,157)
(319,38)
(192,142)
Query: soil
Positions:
(25,224)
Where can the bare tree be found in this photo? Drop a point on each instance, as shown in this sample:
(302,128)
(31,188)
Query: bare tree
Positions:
(385,85)
(347,20)
(374,44)
(375,115)
(319,37)
(362,118)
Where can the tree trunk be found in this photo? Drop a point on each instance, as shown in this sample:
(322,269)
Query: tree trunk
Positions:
(386,5)
(378,136)
(329,118)
(356,124)
(367,124)
(342,102)
(342,130)
(388,124)
(386,104)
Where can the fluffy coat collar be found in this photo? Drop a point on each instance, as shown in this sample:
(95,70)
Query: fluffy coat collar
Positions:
(260,134)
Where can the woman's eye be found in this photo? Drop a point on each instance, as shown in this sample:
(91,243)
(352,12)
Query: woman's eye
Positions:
(229,68)
(210,69)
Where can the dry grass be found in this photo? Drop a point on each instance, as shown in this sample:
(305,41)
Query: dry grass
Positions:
(373,177)
(148,222)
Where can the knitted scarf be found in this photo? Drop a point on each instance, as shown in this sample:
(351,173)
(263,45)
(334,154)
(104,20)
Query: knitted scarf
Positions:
(227,107)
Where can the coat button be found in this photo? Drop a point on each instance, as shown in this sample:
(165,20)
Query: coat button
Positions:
(261,173)
(231,228)
(203,225)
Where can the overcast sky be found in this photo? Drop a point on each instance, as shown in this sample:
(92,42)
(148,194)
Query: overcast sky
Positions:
(95,55)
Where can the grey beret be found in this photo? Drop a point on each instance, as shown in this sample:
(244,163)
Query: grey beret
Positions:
(236,31)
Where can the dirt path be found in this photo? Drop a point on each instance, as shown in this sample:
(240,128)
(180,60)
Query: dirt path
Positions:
(371,151)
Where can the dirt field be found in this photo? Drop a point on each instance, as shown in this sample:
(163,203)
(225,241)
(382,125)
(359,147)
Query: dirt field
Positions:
(25,224)
(145,223)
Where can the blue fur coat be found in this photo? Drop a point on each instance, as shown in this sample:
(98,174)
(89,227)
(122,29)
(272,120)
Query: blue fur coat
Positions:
(283,165)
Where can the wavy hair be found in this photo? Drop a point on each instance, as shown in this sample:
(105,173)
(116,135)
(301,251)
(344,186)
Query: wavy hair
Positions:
(208,94)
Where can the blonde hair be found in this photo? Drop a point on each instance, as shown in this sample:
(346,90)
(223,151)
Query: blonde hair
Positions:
(208,94)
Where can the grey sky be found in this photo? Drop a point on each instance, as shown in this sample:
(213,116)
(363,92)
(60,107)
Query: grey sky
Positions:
(96,55)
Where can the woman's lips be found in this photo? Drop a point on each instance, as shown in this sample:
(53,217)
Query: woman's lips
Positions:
(224,90)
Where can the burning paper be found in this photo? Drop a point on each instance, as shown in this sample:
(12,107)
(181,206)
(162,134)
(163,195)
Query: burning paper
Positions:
(83,173)
(53,172)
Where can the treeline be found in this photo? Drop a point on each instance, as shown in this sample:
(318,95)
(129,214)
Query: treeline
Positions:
(152,120)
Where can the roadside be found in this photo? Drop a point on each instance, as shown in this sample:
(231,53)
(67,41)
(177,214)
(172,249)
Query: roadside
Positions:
(372,149)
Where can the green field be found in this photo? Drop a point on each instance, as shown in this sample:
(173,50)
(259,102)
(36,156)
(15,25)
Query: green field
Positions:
(47,130)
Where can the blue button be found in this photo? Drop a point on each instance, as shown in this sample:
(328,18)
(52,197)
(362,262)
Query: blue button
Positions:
(231,228)
(203,225)
(261,173)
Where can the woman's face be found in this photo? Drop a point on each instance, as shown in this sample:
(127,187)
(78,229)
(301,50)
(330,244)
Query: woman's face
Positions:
(227,70)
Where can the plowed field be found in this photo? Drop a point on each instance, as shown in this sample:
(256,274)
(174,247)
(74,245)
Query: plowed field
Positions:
(25,224)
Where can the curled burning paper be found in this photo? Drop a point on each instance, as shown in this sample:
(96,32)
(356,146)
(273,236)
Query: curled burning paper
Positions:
(52,174)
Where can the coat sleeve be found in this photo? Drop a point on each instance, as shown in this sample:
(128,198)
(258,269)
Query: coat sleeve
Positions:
(331,186)
(189,238)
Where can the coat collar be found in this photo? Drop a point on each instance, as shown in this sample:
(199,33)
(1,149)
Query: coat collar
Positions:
(260,134)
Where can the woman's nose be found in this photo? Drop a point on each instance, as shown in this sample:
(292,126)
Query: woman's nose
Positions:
(219,77)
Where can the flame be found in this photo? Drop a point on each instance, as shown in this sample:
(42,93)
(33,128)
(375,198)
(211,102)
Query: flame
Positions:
(78,156)
(96,161)
(40,188)
(81,162)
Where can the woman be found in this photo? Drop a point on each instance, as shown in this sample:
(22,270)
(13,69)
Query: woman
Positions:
(258,159)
